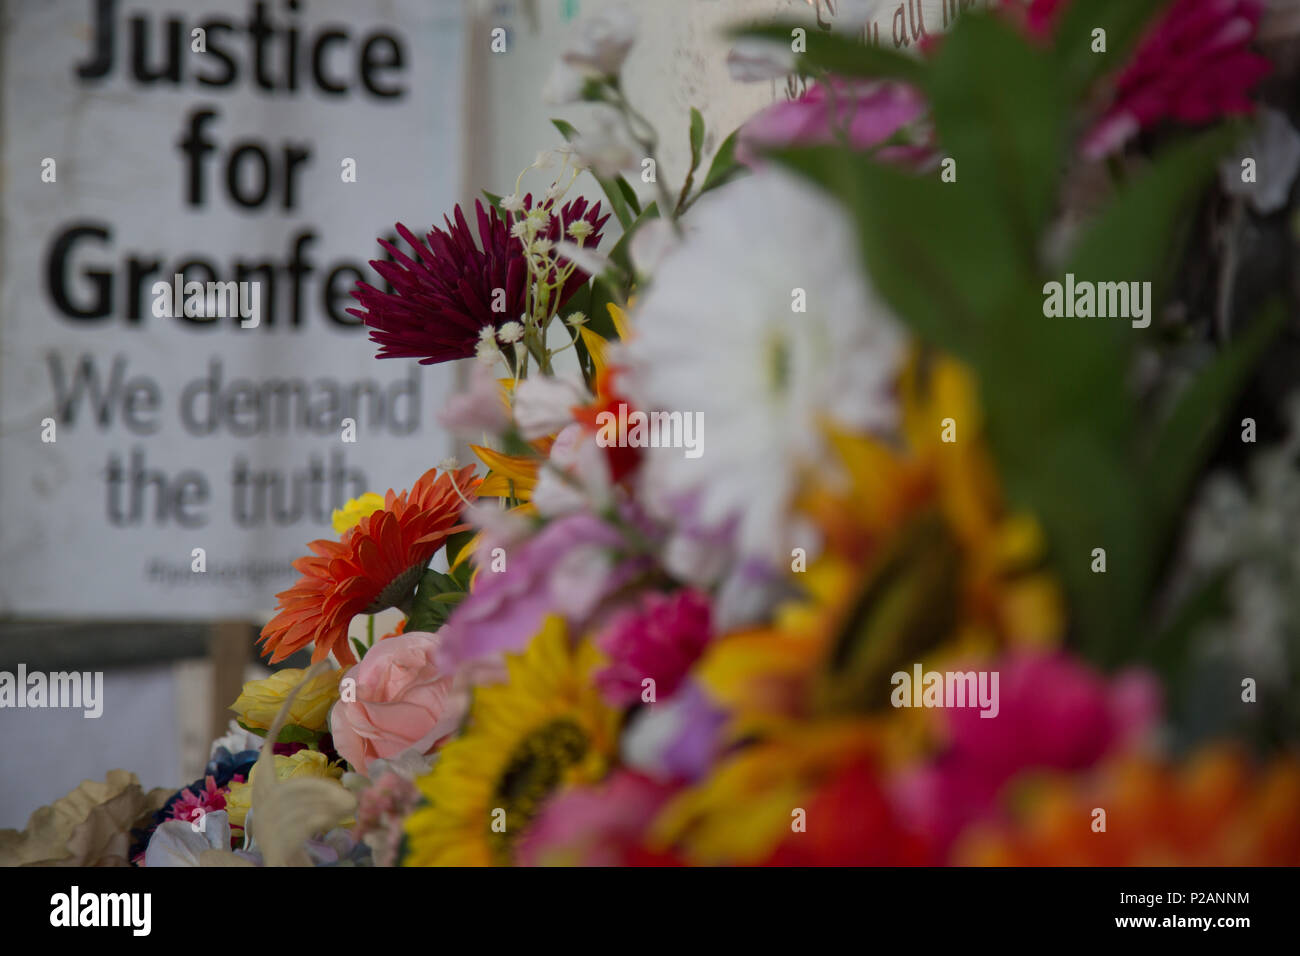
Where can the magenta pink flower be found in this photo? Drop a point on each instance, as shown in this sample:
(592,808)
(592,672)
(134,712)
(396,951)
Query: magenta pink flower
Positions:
(862,113)
(1193,66)
(659,638)
(193,804)
(594,826)
(1054,713)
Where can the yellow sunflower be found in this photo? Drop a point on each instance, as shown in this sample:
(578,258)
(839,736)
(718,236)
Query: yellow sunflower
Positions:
(922,562)
(544,729)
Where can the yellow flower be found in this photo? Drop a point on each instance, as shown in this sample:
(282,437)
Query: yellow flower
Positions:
(546,728)
(921,563)
(260,700)
(304,763)
(598,346)
(742,810)
(356,509)
(509,476)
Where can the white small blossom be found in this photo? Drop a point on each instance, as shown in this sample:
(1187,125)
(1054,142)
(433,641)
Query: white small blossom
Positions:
(544,405)
(540,218)
(563,86)
(521,229)
(1275,147)
(602,42)
(487,335)
(510,332)
(545,159)
(580,230)
(577,319)
(235,740)
(650,244)
(487,352)
(512,203)
(606,151)
(449,464)
(542,247)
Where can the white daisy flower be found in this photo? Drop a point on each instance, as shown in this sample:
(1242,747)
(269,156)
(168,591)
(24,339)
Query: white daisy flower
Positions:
(761,320)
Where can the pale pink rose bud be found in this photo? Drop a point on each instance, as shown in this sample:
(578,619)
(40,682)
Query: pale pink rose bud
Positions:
(404,702)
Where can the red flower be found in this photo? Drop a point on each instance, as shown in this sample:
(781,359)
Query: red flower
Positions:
(375,566)
(623,459)
(851,822)
(443,297)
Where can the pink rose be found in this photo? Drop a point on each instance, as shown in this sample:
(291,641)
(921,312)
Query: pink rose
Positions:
(403,701)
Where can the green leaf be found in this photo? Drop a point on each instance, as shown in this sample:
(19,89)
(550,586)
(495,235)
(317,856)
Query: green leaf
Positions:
(1124,22)
(449,597)
(460,577)
(620,255)
(1189,434)
(1000,113)
(629,195)
(1080,486)
(836,53)
(1169,653)
(260,731)
(293,734)
(359,646)
(946,269)
(1133,237)
(613,195)
(429,610)
(697,149)
(724,167)
(697,138)
(456,543)
(493,200)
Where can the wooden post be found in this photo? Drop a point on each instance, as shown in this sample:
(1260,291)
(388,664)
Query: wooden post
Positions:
(228,651)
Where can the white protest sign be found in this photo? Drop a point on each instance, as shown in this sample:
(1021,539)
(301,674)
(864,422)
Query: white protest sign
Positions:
(164,453)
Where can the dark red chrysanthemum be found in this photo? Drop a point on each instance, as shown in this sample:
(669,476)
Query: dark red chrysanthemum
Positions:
(443,297)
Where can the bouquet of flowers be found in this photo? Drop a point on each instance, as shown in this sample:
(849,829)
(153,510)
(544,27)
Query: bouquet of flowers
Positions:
(915,483)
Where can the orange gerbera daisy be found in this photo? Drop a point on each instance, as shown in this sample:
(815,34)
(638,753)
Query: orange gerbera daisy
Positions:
(375,566)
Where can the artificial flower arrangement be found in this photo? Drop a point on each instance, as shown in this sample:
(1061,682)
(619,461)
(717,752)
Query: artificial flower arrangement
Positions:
(653,645)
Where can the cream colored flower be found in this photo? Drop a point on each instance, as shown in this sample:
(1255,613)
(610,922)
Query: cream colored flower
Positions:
(260,700)
(91,826)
